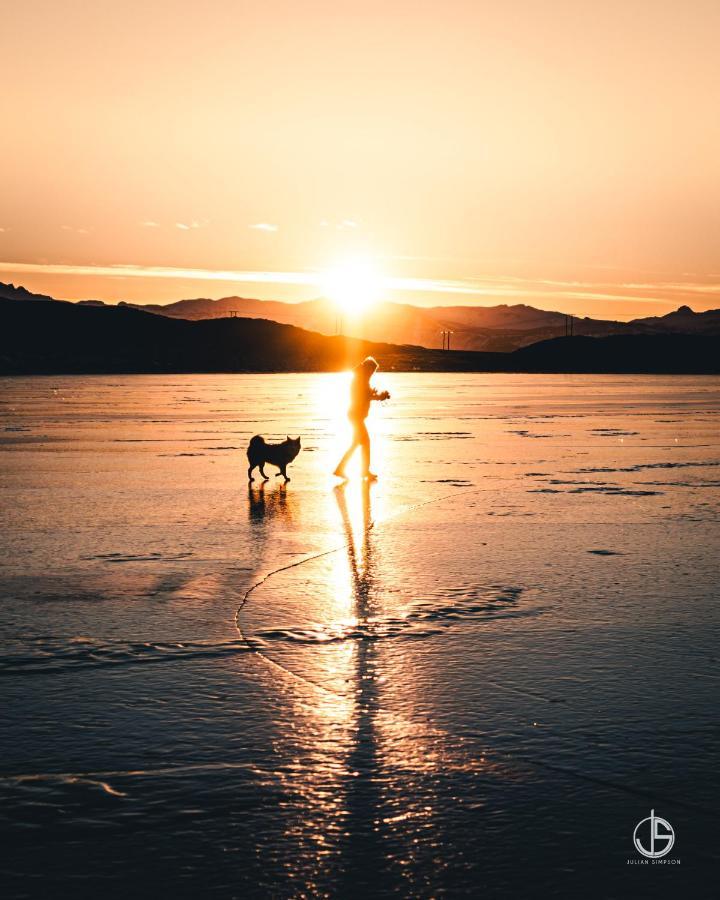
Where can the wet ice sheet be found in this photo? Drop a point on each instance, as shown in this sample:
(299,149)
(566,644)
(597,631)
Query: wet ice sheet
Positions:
(403,689)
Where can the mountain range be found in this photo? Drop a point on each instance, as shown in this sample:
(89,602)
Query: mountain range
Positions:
(45,336)
(500,328)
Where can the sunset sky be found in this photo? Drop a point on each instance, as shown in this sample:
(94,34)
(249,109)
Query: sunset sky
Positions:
(563,153)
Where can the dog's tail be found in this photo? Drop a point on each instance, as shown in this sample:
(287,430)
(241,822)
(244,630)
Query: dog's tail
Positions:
(255,443)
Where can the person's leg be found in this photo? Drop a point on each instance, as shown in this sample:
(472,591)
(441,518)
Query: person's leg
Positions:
(340,468)
(363,438)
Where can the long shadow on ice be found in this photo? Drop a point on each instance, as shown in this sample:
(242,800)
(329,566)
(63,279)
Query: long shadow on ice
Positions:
(365,863)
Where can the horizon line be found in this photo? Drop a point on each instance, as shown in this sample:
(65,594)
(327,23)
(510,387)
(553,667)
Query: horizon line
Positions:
(487,286)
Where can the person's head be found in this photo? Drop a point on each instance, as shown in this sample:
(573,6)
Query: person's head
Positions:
(367,367)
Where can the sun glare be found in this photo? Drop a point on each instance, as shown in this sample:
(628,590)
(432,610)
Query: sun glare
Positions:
(353,286)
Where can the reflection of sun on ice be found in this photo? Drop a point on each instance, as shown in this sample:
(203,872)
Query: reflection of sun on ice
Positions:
(332,396)
(353,286)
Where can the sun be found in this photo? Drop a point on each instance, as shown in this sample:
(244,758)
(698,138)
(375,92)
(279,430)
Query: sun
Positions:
(353,286)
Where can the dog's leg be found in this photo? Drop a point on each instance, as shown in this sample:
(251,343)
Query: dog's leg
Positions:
(284,474)
(262,472)
(250,473)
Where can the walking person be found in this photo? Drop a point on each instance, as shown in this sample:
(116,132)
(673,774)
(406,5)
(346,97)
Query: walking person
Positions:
(361,395)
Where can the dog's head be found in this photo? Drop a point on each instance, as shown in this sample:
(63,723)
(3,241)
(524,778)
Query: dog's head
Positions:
(293,447)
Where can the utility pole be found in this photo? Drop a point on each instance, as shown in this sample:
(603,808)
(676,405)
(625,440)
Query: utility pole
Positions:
(446,339)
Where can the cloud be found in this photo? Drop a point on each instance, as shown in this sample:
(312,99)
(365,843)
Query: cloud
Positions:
(75,229)
(148,223)
(264,226)
(4,230)
(134,271)
(194,223)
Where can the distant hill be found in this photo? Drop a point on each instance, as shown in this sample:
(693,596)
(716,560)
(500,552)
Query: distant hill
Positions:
(682,321)
(495,328)
(47,337)
(50,337)
(12,292)
(689,354)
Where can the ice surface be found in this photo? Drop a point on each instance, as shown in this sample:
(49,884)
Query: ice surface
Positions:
(472,677)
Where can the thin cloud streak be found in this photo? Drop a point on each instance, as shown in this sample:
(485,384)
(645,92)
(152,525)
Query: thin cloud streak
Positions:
(188,226)
(501,287)
(74,229)
(133,271)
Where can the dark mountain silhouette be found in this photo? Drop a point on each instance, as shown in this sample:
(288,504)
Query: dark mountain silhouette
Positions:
(495,328)
(501,328)
(627,353)
(683,321)
(50,337)
(13,292)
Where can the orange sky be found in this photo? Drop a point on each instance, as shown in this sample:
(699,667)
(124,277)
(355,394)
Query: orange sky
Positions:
(563,153)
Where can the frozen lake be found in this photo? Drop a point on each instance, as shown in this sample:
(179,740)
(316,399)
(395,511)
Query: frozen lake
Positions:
(475,676)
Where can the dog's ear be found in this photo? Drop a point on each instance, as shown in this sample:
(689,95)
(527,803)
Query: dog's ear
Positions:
(287,437)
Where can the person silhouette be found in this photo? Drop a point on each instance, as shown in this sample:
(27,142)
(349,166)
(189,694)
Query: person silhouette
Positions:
(361,395)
